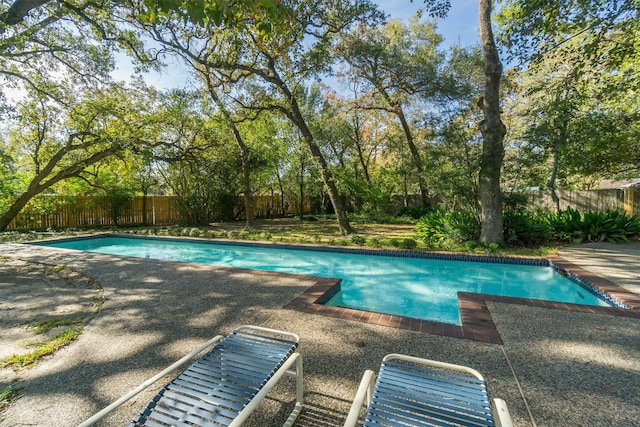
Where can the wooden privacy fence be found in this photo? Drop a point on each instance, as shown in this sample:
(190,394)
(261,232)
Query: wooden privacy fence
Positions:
(95,211)
(45,212)
(625,200)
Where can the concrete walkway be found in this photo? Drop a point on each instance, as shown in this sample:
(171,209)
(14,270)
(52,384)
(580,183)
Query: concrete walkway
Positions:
(618,263)
(555,368)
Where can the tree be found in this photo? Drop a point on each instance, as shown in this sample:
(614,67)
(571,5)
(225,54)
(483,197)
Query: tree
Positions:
(46,45)
(97,126)
(218,12)
(245,157)
(531,30)
(356,142)
(491,127)
(275,66)
(582,78)
(397,64)
(493,131)
(458,146)
(196,11)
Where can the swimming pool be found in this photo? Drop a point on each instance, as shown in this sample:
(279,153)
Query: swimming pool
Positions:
(415,287)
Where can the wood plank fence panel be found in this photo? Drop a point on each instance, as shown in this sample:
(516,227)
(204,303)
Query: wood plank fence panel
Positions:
(45,212)
(621,200)
(94,211)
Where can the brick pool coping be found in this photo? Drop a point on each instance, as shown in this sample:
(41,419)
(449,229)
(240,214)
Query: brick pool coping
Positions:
(477,323)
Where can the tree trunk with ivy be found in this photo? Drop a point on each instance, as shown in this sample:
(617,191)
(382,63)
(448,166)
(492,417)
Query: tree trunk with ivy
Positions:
(493,131)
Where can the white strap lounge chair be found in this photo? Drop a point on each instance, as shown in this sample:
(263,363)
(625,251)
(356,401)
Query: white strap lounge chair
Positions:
(225,385)
(410,391)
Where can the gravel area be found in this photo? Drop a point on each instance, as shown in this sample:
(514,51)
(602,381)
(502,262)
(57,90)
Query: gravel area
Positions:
(554,368)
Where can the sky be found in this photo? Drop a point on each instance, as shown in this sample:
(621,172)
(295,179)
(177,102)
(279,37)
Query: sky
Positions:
(460,26)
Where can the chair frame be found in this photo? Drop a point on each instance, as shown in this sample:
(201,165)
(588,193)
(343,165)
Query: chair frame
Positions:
(291,367)
(364,394)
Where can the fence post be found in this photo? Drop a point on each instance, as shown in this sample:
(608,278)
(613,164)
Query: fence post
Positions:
(628,200)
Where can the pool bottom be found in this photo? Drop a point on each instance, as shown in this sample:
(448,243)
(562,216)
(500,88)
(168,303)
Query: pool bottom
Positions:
(477,324)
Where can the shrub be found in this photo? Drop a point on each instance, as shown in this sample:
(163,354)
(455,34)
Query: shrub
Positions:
(394,242)
(358,239)
(611,226)
(265,235)
(375,241)
(415,212)
(565,225)
(444,228)
(525,228)
(408,244)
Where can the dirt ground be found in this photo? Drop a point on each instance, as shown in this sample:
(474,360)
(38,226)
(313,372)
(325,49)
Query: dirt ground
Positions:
(32,293)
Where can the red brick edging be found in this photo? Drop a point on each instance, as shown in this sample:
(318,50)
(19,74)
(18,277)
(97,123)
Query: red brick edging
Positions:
(477,323)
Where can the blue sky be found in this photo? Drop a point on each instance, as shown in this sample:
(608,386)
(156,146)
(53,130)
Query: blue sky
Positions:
(461,26)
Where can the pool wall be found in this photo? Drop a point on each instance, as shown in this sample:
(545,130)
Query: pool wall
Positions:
(477,323)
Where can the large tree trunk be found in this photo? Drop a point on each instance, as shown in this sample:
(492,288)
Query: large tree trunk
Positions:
(15,208)
(327,178)
(415,154)
(295,115)
(246,187)
(45,178)
(493,131)
(301,190)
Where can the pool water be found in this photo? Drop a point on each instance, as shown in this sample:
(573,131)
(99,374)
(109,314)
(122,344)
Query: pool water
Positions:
(413,287)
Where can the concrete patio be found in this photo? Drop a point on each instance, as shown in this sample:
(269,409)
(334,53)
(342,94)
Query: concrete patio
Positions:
(555,367)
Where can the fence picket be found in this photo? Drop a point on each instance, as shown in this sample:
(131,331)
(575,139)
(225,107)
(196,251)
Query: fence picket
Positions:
(50,211)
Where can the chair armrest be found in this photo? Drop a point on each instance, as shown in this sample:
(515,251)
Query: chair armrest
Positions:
(290,335)
(434,363)
(501,413)
(363,395)
(148,383)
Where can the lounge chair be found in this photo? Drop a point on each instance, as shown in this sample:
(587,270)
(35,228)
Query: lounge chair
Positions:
(410,391)
(225,385)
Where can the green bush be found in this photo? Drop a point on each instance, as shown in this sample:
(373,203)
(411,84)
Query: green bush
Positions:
(265,235)
(358,239)
(375,241)
(415,212)
(408,244)
(394,242)
(444,228)
(564,225)
(525,228)
(611,226)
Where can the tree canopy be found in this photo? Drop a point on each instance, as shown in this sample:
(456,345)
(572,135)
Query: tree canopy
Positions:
(322,102)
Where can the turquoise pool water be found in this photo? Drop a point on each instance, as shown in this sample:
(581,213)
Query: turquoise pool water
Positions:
(413,287)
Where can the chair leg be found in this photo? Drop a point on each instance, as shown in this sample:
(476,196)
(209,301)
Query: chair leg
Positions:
(298,374)
(363,396)
(501,413)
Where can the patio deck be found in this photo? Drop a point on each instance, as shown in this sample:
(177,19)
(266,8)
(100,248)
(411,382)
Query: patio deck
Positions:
(554,367)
